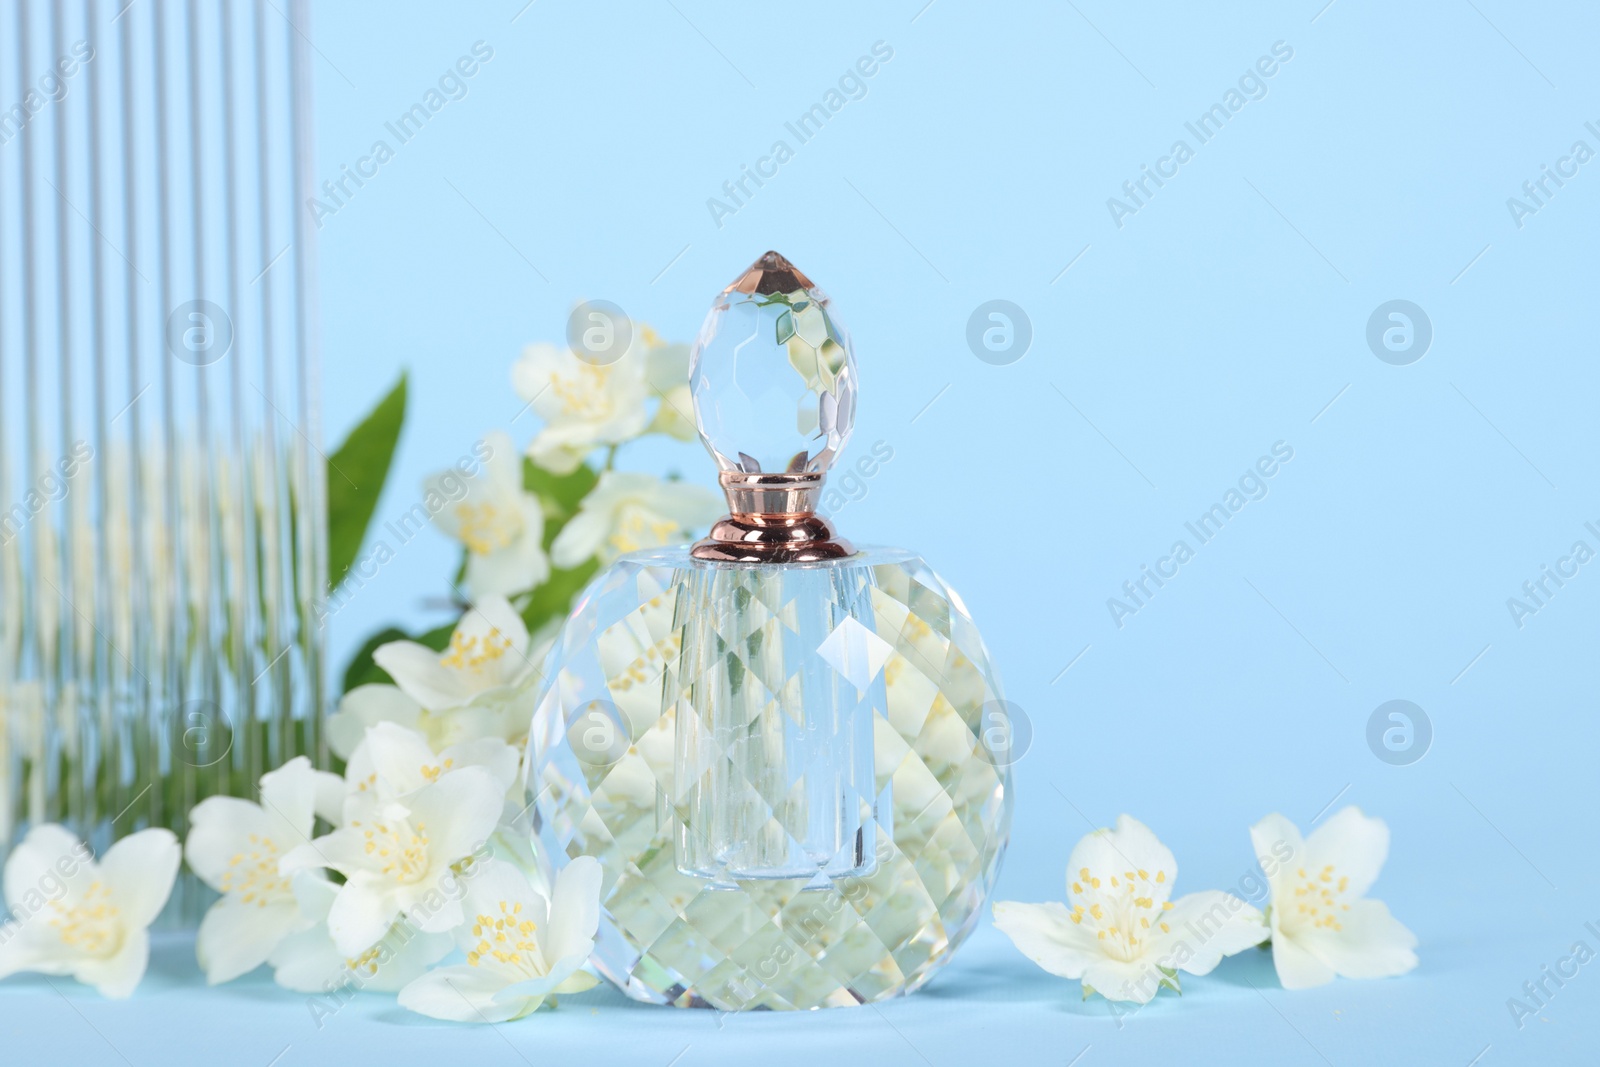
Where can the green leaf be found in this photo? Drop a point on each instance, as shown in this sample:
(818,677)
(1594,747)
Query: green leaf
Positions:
(361,670)
(559,494)
(438,637)
(357,471)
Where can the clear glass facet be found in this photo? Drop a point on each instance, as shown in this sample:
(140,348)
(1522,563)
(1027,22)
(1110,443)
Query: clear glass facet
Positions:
(780,675)
(726,833)
(774,380)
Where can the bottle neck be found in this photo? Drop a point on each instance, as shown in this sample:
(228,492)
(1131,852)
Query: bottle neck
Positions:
(772,518)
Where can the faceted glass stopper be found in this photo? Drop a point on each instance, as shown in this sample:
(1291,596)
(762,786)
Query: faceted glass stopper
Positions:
(773,374)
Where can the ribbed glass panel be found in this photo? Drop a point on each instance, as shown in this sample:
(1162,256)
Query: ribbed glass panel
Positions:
(161,474)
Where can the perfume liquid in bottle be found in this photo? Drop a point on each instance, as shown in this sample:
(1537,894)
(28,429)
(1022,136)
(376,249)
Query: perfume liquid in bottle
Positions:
(772,741)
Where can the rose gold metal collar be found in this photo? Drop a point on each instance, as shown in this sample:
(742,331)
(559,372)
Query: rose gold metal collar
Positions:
(772,518)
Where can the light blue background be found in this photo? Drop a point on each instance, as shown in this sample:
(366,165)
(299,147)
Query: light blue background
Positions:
(1228,314)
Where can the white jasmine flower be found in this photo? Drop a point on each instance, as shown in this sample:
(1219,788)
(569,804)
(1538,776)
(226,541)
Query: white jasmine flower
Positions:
(629,511)
(496,715)
(667,370)
(1321,924)
(501,525)
(585,406)
(402,856)
(235,845)
(485,677)
(392,762)
(75,916)
(521,948)
(308,961)
(1122,936)
(366,706)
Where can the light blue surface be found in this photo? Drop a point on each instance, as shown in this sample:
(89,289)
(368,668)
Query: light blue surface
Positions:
(985,1008)
(1229,313)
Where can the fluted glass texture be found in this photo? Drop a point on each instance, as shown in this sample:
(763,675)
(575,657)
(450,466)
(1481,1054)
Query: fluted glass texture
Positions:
(161,481)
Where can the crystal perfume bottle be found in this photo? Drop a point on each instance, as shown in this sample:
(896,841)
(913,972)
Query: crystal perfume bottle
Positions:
(773,742)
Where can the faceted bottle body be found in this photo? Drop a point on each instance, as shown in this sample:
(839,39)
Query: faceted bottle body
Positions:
(782,771)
